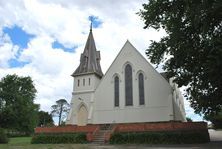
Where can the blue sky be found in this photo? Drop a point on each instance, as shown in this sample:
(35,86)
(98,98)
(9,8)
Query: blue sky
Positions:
(58,45)
(96,22)
(21,39)
(18,36)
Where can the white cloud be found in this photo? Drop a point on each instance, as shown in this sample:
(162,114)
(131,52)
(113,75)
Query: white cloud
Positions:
(67,22)
(7,49)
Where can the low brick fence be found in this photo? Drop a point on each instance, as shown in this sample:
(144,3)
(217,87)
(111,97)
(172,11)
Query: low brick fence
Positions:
(66,129)
(171,126)
(92,129)
(161,126)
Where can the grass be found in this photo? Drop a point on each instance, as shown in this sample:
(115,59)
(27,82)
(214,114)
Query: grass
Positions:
(24,143)
(20,140)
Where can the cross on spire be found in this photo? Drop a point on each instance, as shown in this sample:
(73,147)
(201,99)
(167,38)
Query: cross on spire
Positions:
(90,58)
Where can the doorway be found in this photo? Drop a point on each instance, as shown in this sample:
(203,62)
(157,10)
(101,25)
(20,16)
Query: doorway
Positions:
(82,116)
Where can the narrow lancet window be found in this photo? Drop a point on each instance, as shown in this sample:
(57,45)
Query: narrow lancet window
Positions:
(116,91)
(128,85)
(89,81)
(78,82)
(141,89)
(83,82)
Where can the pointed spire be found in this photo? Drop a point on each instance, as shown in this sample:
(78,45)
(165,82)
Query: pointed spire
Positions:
(91,26)
(90,58)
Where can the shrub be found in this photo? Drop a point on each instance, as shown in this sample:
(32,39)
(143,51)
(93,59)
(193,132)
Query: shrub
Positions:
(3,136)
(56,138)
(160,137)
(14,133)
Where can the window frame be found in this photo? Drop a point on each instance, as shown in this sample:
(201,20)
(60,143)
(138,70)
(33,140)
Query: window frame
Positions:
(116,91)
(128,76)
(141,90)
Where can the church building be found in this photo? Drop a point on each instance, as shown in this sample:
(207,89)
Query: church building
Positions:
(131,91)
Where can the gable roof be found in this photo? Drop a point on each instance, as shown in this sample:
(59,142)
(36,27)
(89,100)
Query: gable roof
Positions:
(142,57)
(90,59)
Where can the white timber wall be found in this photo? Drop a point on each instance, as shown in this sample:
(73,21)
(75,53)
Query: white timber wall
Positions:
(158,92)
(83,94)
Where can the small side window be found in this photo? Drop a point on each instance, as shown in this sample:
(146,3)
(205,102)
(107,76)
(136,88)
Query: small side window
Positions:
(89,81)
(116,91)
(141,89)
(78,82)
(83,82)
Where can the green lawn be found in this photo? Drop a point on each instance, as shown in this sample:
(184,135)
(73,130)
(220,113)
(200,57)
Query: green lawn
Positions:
(20,140)
(24,143)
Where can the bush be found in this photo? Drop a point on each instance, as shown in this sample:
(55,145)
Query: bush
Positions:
(14,133)
(3,136)
(159,137)
(59,138)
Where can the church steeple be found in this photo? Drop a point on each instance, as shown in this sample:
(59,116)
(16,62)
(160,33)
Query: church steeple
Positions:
(90,58)
(91,26)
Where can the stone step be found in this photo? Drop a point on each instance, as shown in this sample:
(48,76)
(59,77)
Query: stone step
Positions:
(98,143)
(99,135)
(104,130)
(99,139)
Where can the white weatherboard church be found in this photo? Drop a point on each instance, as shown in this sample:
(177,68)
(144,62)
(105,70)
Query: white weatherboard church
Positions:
(131,91)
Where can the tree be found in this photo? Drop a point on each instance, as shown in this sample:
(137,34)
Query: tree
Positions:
(45,119)
(192,49)
(216,120)
(189,119)
(18,111)
(60,109)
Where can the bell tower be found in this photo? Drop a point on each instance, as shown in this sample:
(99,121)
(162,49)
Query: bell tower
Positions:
(86,79)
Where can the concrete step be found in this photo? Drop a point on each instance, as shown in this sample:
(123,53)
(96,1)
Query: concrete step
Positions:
(99,135)
(104,130)
(98,142)
(99,139)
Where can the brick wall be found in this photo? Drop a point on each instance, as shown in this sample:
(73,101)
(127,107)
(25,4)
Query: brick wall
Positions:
(131,127)
(67,128)
(161,126)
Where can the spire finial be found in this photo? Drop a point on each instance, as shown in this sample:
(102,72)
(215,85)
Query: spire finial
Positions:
(91,26)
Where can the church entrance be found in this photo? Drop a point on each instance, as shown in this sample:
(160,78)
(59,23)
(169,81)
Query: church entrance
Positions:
(82,116)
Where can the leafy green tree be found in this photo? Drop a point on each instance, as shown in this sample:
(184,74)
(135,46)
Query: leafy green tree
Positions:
(60,109)
(189,119)
(192,49)
(216,120)
(18,111)
(45,119)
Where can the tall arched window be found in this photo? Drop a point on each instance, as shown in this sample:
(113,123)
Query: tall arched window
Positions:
(128,85)
(116,91)
(141,89)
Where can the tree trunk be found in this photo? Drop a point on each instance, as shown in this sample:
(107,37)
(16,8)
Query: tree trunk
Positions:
(60,114)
